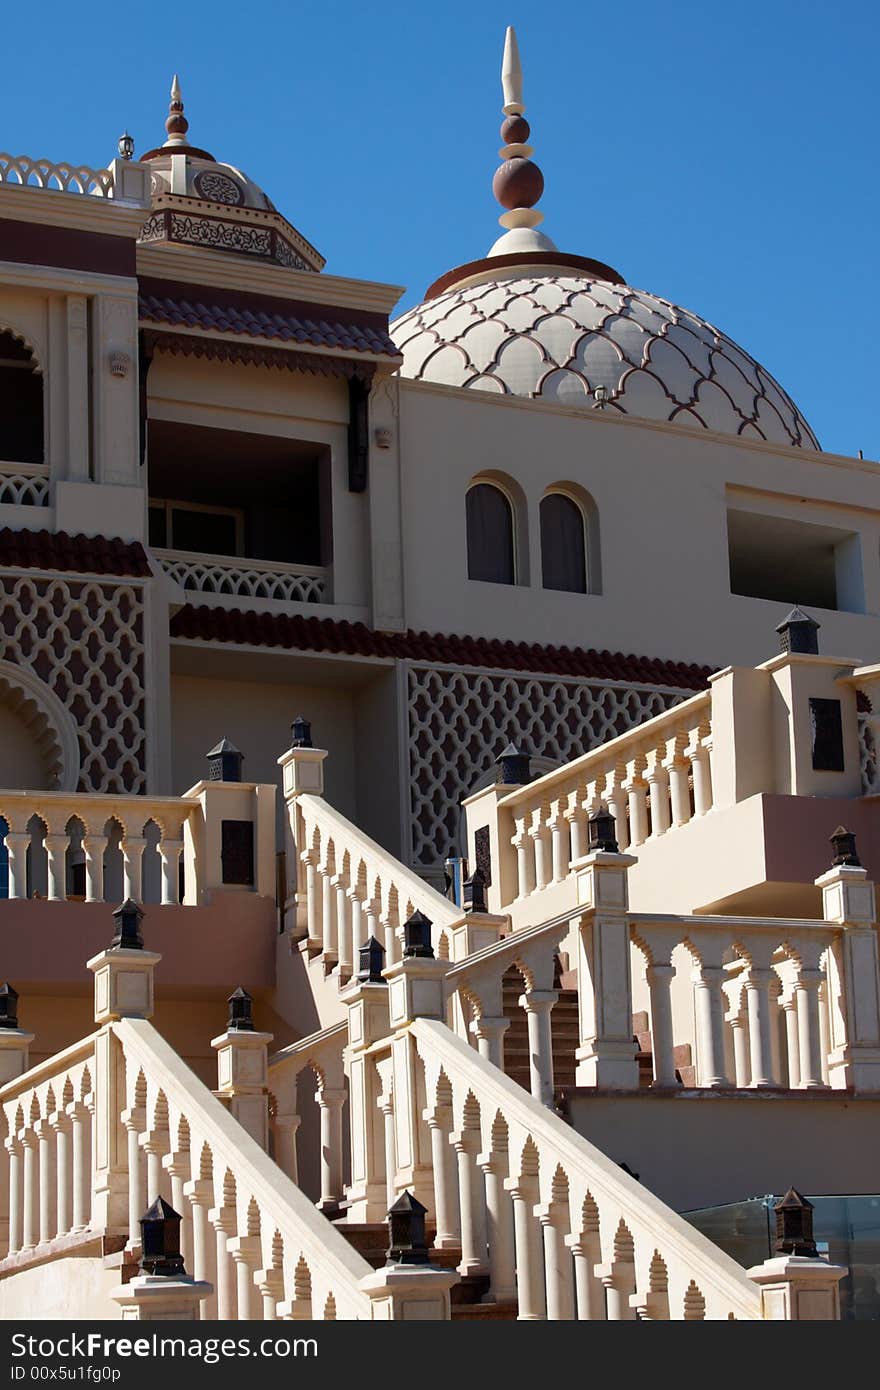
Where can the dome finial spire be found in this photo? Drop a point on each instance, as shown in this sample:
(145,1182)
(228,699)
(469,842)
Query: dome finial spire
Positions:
(177,125)
(518,183)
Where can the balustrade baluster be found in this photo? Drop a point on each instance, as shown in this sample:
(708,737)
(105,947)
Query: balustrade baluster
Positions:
(529,1272)
(61,1124)
(30,1197)
(314,906)
(558,1269)
(525,860)
(809,1034)
(343,926)
(81,1126)
(617,802)
(499,1224)
(659,978)
(709,1011)
(439,1122)
(759,1005)
(658,789)
(589,1290)
(133,1122)
(169,854)
(17,846)
(223,1221)
(48,1189)
(94,847)
(466,1143)
(330,1103)
(742,1066)
(679,797)
(245,1252)
(15,1152)
(328,916)
(636,791)
(199,1193)
(133,847)
(790,1009)
(538,1005)
(56,847)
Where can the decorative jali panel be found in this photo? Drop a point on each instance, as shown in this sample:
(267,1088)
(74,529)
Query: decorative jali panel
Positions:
(85,641)
(459,720)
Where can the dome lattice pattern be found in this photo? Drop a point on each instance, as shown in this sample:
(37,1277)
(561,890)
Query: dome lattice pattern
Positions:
(559,337)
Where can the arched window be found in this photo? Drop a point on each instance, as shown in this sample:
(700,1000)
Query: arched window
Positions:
(490,541)
(21,402)
(563,544)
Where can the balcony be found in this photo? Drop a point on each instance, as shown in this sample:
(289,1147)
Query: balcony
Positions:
(227,579)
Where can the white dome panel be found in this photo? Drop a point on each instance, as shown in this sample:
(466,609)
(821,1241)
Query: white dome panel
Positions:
(561,334)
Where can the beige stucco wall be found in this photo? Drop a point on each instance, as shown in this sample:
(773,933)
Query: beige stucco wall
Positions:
(661,496)
(698,1149)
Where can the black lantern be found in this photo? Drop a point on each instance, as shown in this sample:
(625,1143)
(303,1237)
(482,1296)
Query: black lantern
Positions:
(224,762)
(794,1225)
(128,920)
(241,1012)
(843,842)
(8,1006)
(417,936)
(514,766)
(798,632)
(125,145)
(406,1228)
(301,733)
(160,1241)
(602,832)
(372,962)
(474,892)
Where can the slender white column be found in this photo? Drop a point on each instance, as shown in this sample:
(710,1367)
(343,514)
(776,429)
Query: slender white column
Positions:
(577,823)
(525,861)
(709,1010)
(60,1122)
(638,812)
(678,792)
(617,801)
(529,1253)
(328,917)
(539,836)
(56,848)
(199,1192)
(356,913)
(560,844)
(81,1119)
(790,1009)
(330,1103)
(13,1148)
(739,1025)
(809,1037)
(223,1221)
(824,1029)
(439,1122)
(17,845)
(245,1252)
(659,977)
(169,853)
(489,1033)
(343,926)
(702,773)
(314,884)
(94,847)
(30,1202)
(133,1121)
(558,1268)
(589,1290)
(619,1280)
(271,1289)
(499,1228)
(385,1102)
(285,1130)
(155,1145)
(133,847)
(658,787)
(538,1005)
(760,1051)
(466,1143)
(47,1180)
(177,1166)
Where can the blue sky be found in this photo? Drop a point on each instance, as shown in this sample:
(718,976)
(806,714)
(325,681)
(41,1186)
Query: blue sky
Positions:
(723,157)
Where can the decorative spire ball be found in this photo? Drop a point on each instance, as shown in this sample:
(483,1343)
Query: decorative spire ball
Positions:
(177,125)
(518,182)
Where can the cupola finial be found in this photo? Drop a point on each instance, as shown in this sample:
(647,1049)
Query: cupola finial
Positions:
(518,182)
(177,125)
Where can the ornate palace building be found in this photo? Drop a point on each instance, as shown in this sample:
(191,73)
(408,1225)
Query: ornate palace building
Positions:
(421,675)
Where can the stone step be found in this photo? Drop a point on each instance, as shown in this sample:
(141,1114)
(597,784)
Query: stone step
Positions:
(485,1312)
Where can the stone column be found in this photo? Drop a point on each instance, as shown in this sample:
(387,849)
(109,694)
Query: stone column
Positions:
(134,1119)
(466,1143)
(808,1045)
(589,1290)
(155,1144)
(739,1024)
(489,1033)
(792,1038)
(30,1197)
(56,848)
(81,1123)
(133,847)
(619,1280)
(245,1252)
(499,1226)
(607,1054)
(60,1123)
(708,979)
(659,977)
(529,1254)
(538,1005)
(558,1270)
(17,845)
(223,1219)
(658,787)
(94,847)
(759,1005)
(448,1232)
(284,1128)
(169,853)
(199,1193)
(47,1180)
(14,1150)
(177,1166)
(270,1285)
(331,1103)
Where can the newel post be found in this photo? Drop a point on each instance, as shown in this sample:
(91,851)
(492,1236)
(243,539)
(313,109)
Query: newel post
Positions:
(606,1056)
(853,969)
(242,1068)
(123,989)
(415,990)
(366,1002)
(794,1283)
(302,771)
(408,1286)
(162,1291)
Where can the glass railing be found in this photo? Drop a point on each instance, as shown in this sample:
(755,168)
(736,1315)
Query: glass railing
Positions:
(846,1230)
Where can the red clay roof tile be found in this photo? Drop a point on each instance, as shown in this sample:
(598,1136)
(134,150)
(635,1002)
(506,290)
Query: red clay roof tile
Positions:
(175,311)
(56,550)
(299,633)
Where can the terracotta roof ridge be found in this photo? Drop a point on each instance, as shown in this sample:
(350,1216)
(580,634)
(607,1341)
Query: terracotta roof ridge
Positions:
(302,632)
(57,550)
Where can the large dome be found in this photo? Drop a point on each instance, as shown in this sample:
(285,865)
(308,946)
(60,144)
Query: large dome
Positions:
(558,337)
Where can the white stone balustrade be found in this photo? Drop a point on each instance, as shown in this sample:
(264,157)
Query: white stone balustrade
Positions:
(572,1235)
(654,779)
(232,577)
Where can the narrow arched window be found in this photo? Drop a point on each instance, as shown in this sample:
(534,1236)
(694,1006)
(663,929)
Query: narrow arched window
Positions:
(21,403)
(490,547)
(563,544)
